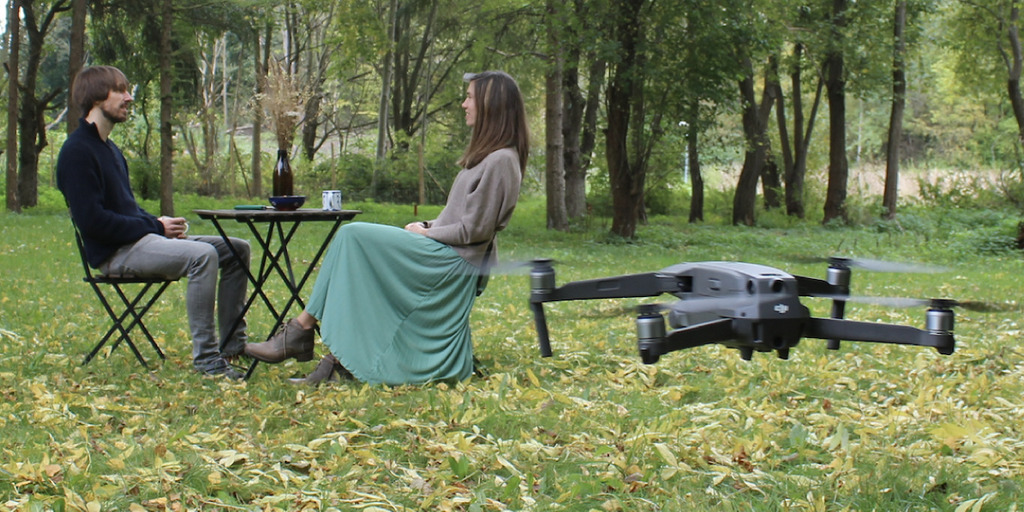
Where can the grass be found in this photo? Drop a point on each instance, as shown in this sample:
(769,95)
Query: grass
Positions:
(867,427)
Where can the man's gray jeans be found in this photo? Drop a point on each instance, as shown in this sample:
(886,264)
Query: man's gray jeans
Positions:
(197,258)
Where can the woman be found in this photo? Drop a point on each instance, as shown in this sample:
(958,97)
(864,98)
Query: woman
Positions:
(393,304)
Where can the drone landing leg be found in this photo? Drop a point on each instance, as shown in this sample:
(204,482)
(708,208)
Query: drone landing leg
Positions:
(540,320)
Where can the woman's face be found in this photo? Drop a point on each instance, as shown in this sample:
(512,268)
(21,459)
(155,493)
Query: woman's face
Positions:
(470,106)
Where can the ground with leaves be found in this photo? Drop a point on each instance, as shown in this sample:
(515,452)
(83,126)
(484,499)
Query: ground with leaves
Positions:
(867,427)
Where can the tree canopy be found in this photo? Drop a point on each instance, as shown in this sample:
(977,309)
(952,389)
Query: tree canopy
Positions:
(656,99)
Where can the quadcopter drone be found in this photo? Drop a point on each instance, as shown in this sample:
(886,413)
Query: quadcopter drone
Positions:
(745,306)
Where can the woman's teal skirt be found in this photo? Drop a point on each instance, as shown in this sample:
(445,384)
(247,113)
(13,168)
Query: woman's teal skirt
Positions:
(394,306)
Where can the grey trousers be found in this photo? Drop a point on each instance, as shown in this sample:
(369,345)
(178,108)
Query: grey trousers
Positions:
(198,258)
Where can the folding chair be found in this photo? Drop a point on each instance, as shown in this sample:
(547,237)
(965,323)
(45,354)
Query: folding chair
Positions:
(134,308)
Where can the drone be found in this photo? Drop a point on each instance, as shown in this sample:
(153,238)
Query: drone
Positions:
(745,306)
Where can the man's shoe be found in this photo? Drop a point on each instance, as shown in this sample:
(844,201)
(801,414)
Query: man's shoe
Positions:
(221,368)
(328,370)
(292,340)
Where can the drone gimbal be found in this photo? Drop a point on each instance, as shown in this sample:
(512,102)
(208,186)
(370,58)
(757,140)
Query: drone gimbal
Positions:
(744,306)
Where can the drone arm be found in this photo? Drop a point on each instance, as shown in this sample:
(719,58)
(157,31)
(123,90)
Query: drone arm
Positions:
(688,337)
(812,287)
(838,284)
(634,285)
(831,328)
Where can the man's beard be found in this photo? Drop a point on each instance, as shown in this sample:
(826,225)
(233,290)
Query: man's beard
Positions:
(114,117)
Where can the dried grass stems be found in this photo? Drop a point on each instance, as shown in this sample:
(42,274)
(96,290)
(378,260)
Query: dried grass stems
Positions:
(283,99)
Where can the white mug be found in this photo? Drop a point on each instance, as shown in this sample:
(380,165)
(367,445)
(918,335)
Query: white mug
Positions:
(332,200)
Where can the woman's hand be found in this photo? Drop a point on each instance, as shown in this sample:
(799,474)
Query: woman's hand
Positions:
(416,227)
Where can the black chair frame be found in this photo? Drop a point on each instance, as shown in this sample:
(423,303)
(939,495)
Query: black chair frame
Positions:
(134,308)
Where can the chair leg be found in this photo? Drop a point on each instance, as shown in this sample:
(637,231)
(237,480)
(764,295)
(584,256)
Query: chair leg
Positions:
(117,323)
(136,313)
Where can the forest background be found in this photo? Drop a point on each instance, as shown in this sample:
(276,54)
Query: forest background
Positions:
(638,107)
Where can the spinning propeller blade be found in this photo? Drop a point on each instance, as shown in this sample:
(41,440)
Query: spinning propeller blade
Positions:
(895,302)
(511,267)
(886,266)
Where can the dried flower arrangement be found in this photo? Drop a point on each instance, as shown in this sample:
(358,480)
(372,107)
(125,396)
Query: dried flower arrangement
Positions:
(283,99)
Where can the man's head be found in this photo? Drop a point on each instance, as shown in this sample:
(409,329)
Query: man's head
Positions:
(93,87)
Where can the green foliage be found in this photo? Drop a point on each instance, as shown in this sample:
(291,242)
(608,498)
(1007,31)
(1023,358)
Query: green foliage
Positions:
(867,427)
(961,190)
(145,176)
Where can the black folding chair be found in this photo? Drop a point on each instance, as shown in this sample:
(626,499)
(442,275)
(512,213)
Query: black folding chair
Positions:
(135,306)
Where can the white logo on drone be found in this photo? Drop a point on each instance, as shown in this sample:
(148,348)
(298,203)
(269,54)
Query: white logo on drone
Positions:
(781,309)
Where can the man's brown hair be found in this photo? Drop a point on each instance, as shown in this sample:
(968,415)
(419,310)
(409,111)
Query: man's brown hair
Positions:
(94,84)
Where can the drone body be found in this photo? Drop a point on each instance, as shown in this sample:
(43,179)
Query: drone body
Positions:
(745,306)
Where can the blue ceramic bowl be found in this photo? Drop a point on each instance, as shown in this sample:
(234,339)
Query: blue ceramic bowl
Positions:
(287,203)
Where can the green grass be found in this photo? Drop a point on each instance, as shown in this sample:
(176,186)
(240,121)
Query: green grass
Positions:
(868,427)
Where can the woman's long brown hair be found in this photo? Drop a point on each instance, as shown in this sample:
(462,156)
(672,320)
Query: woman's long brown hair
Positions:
(500,119)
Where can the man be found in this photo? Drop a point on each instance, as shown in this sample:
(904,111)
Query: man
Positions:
(121,238)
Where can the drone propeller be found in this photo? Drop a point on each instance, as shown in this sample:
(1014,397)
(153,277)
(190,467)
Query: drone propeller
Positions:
(894,302)
(873,265)
(981,306)
(511,267)
(516,267)
(909,302)
(885,266)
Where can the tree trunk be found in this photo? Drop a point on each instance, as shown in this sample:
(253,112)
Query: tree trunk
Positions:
(14,38)
(1014,71)
(260,62)
(838,166)
(693,160)
(166,111)
(899,100)
(626,177)
(557,218)
(796,174)
(572,127)
(781,121)
(576,194)
(32,116)
(76,57)
(755,156)
(385,94)
(320,51)
(771,183)
(580,121)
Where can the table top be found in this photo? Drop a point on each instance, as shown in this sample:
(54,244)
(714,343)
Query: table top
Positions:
(270,214)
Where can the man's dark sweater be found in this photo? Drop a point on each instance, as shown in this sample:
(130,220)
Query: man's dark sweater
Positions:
(93,175)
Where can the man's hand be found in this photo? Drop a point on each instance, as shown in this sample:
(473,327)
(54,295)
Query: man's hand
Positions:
(174,227)
(416,227)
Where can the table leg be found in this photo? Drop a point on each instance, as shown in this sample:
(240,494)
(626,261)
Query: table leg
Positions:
(271,262)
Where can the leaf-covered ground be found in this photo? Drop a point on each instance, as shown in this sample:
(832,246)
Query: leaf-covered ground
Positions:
(867,427)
